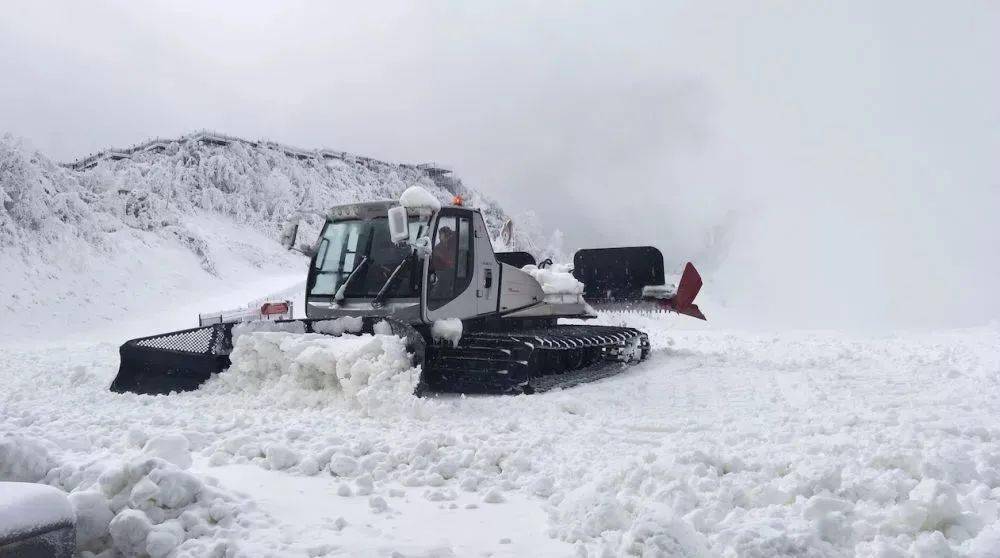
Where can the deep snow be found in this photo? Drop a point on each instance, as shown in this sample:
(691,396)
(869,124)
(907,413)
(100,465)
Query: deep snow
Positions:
(723,443)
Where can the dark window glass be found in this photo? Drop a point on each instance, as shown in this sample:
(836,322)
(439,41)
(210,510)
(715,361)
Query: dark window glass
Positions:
(442,266)
(450,268)
(337,255)
(342,246)
(464,260)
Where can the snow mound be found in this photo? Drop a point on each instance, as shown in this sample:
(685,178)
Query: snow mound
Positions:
(557,282)
(415,196)
(302,369)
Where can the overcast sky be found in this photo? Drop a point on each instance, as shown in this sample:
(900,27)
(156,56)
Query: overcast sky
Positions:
(848,150)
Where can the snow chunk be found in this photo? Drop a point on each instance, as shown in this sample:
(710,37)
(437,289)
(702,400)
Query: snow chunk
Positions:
(378,504)
(280,457)
(129,530)
(658,533)
(244,328)
(494,496)
(343,465)
(93,514)
(986,543)
(23,460)
(940,502)
(164,538)
(26,507)
(169,447)
(349,324)
(416,196)
(309,466)
(382,328)
(175,489)
(543,486)
(447,330)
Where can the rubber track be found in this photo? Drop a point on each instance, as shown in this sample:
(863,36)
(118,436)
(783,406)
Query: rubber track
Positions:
(533,360)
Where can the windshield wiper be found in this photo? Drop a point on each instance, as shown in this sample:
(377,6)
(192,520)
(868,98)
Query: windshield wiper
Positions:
(392,281)
(357,271)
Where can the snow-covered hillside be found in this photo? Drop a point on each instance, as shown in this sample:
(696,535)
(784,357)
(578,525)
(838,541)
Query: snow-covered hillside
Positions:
(174,219)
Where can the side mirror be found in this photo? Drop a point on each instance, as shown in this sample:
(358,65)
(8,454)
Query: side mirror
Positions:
(288,235)
(399,226)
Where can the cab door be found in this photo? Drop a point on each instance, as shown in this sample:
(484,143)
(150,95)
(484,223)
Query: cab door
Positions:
(487,279)
(450,269)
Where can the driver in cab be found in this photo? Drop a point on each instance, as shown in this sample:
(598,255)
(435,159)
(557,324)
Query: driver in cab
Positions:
(443,261)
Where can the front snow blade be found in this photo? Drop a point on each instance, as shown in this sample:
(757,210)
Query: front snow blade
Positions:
(183,360)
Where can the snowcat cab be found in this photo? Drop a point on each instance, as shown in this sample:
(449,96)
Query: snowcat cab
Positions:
(411,266)
(419,266)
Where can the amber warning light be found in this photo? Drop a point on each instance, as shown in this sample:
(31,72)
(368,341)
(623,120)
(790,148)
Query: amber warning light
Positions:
(457,200)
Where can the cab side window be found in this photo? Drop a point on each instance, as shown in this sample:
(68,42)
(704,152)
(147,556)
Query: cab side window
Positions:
(450,270)
(463,263)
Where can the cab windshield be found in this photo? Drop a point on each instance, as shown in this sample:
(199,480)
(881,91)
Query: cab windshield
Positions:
(344,244)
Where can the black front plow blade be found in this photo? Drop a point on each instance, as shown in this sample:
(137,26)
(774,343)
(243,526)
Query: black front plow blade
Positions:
(183,360)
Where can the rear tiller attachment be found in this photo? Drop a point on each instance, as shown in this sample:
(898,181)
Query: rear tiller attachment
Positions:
(632,279)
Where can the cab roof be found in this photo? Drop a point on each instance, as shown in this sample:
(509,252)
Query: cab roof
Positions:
(373,209)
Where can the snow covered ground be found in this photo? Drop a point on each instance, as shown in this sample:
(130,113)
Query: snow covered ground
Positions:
(723,443)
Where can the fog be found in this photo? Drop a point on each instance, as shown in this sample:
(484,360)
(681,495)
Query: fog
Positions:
(831,166)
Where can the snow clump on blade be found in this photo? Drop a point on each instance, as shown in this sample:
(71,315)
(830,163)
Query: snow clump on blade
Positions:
(349,324)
